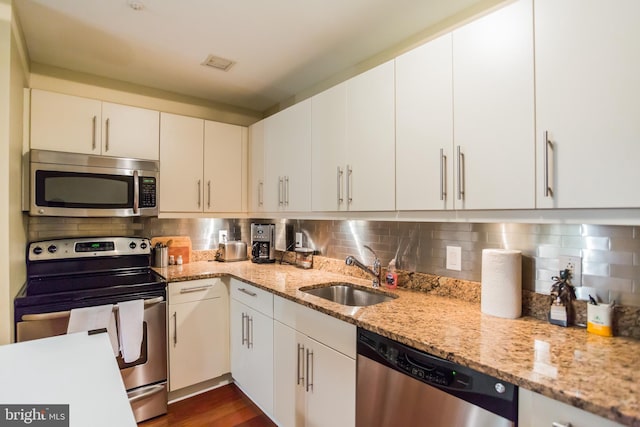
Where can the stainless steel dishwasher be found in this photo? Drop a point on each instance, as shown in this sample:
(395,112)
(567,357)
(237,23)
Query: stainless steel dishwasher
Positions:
(401,386)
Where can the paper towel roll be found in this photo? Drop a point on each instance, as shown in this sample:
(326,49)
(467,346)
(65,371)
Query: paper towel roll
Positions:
(501,283)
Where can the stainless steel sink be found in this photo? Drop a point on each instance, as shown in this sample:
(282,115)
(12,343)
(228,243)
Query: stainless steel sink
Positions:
(349,294)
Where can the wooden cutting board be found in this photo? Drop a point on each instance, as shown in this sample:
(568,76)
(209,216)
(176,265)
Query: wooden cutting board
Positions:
(178,245)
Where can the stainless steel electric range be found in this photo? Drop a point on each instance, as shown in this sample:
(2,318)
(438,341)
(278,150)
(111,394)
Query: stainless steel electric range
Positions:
(64,274)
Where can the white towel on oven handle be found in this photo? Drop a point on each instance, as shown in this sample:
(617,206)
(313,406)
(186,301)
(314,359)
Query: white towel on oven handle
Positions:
(97,317)
(130,318)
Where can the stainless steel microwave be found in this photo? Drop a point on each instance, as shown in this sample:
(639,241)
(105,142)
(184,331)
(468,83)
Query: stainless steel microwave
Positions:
(83,185)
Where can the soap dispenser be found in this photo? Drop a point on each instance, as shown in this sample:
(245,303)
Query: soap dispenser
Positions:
(391,280)
(562,296)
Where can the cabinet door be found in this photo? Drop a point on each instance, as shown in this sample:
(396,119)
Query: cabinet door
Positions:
(130,132)
(288,159)
(289,398)
(536,410)
(494,110)
(332,384)
(199,337)
(181,152)
(588,100)
(371,140)
(65,123)
(424,127)
(256,167)
(223,167)
(252,354)
(328,149)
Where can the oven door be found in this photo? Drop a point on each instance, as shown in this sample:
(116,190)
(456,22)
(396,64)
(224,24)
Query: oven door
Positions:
(145,378)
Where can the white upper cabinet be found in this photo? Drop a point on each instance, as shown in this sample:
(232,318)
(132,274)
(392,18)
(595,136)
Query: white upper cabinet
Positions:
(181,153)
(287,157)
(353,144)
(424,127)
(202,165)
(370,169)
(74,124)
(493,109)
(256,167)
(588,103)
(329,149)
(224,167)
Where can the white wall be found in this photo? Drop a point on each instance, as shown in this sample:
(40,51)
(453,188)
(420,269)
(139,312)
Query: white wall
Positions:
(13,225)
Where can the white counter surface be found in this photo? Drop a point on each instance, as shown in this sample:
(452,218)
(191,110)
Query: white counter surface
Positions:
(76,369)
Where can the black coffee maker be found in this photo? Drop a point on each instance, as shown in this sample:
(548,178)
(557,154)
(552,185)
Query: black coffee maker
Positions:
(263,241)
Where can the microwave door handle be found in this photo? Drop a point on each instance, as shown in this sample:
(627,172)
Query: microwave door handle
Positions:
(136,193)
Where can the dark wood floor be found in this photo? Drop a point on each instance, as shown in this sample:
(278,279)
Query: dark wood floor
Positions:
(226,406)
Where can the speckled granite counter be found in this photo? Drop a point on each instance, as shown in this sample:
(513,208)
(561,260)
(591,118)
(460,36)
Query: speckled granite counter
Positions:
(594,373)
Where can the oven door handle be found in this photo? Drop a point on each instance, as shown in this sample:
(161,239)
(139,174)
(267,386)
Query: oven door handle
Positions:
(146,392)
(61,314)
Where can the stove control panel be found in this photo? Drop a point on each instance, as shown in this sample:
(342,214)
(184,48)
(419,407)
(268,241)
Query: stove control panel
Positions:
(87,247)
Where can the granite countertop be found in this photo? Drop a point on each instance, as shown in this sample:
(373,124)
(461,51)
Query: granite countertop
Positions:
(594,373)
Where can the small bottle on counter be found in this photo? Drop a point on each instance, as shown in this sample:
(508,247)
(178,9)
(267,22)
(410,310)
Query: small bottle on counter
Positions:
(179,260)
(172,260)
(391,281)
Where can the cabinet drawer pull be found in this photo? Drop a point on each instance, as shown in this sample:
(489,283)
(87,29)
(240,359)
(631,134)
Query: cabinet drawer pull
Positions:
(209,194)
(557,424)
(244,291)
(195,289)
(249,331)
(280,191)
(199,193)
(260,193)
(548,191)
(286,190)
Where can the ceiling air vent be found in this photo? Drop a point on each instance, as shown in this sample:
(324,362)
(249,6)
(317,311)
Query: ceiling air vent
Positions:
(218,63)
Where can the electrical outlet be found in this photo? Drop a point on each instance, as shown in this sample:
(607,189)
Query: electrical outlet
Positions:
(298,240)
(574,265)
(454,258)
(222,236)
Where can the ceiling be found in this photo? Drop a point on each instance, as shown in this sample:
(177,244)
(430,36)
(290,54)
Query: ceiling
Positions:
(281,47)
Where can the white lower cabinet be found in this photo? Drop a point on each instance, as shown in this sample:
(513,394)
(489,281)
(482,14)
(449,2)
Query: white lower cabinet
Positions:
(252,343)
(314,367)
(536,410)
(198,331)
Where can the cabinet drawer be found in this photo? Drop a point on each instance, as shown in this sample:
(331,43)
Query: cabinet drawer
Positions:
(328,330)
(253,297)
(196,290)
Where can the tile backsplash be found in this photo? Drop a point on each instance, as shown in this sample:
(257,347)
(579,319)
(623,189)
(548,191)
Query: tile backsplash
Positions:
(610,254)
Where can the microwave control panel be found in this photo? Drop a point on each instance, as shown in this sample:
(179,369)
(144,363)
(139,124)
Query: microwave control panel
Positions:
(148,189)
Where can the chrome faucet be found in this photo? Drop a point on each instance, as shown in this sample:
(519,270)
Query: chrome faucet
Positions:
(374,271)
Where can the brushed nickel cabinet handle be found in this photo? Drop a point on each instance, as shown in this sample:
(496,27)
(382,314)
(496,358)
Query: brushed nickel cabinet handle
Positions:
(280,191)
(209,194)
(443,176)
(260,193)
(340,180)
(286,190)
(195,289)
(199,193)
(300,374)
(244,334)
(94,138)
(249,332)
(244,291)
(548,191)
(461,186)
(309,367)
(557,424)
(175,328)
(349,184)
(106,143)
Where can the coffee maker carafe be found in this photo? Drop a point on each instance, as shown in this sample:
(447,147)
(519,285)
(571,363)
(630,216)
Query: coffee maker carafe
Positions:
(263,240)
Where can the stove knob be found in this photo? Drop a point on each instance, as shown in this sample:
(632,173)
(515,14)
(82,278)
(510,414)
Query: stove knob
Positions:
(143,245)
(132,245)
(37,250)
(52,249)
